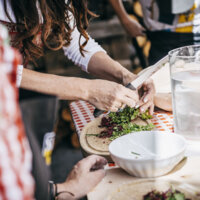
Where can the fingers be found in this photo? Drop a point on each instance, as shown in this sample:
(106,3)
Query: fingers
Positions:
(133,94)
(100,163)
(134,28)
(146,101)
(145,106)
(98,174)
(127,101)
(143,31)
(115,106)
(129,98)
(147,97)
(113,109)
(92,163)
(151,109)
(123,97)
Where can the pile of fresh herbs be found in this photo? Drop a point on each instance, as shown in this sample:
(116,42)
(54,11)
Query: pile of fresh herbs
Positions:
(121,123)
(170,194)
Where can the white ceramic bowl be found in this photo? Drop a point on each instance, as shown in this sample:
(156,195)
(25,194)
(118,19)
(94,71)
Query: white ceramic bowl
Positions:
(148,153)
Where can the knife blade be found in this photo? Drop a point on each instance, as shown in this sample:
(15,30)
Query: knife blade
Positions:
(136,83)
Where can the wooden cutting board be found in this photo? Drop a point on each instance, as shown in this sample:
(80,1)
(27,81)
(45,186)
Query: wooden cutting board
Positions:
(188,171)
(86,149)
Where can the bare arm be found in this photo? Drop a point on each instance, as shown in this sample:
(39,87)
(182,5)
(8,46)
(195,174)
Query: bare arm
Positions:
(119,9)
(63,87)
(102,66)
(105,95)
(132,27)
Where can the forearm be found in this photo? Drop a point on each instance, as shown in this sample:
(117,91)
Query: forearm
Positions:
(67,191)
(132,27)
(102,66)
(119,9)
(69,88)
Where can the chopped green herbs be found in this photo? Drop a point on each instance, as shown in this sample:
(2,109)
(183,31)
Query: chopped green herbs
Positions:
(127,115)
(122,123)
(170,194)
(130,127)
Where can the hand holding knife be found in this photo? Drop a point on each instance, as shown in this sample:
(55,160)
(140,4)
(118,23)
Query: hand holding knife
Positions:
(136,83)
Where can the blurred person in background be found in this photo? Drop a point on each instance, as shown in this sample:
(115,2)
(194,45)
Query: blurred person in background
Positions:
(167,24)
(16,153)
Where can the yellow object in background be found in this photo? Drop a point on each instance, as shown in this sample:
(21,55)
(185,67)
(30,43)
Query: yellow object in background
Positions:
(48,145)
(47,156)
(184,18)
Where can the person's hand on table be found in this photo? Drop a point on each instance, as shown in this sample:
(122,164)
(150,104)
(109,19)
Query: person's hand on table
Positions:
(85,175)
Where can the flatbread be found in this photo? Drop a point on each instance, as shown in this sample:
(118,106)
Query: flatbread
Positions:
(91,128)
(137,189)
(161,80)
(94,144)
(99,144)
(163,101)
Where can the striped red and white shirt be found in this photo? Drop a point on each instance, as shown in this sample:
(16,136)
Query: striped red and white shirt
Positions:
(16,182)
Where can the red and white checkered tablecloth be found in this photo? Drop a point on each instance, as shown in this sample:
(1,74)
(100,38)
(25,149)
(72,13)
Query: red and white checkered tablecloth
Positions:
(82,113)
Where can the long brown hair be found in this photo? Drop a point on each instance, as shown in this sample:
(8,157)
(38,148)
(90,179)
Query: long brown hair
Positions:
(56,28)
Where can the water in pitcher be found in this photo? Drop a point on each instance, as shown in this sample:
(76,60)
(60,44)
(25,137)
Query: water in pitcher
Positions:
(186,87)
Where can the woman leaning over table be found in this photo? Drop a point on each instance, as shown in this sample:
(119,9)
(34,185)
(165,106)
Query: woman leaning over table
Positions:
(64,26)
(35,25)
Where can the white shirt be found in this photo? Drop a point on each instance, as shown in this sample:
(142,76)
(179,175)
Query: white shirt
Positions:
(72,51)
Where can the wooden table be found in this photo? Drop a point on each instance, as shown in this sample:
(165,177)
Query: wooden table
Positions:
(187,172)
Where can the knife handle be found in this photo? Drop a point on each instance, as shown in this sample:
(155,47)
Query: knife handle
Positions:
(130,86)
(98,112)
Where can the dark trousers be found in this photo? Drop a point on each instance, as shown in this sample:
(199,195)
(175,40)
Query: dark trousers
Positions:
(38,113)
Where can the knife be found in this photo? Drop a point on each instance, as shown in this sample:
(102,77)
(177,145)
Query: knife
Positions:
(136,83)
